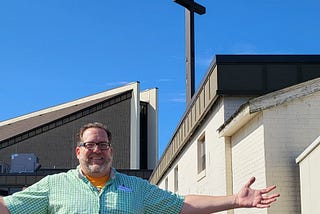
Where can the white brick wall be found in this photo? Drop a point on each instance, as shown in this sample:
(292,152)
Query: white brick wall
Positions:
(289,130)
(266,147)
(271,142)
(248,158)
(214,181)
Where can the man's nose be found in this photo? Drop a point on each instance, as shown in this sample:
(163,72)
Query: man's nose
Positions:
(96,148)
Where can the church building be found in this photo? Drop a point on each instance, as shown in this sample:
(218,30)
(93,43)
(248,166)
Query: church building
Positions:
(252,115)
(48,137)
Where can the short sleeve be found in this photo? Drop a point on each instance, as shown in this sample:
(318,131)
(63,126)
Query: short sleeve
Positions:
(161,201)
(33,199)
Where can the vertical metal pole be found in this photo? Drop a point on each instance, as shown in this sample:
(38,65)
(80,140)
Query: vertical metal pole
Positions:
(190,8)
(190,56)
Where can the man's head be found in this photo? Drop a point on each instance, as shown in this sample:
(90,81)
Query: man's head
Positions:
(94,150)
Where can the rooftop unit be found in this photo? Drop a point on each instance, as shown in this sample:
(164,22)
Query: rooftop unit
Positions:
(21,163)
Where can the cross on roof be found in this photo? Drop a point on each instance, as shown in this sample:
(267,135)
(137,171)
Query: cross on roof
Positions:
(191,7)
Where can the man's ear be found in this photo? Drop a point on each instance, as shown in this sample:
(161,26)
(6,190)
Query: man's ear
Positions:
(77,150)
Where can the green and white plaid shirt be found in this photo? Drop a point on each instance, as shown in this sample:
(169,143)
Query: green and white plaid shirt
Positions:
(71,192)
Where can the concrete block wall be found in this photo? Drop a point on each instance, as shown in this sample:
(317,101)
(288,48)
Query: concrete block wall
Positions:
(266,147)
(213,181)
(248,158)
(289,129)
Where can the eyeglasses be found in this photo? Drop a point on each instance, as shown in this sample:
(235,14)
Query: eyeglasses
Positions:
(91,145)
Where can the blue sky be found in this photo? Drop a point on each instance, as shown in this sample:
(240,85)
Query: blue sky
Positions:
(56,51)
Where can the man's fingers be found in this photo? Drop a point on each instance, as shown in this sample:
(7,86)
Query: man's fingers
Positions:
(250,182)
(268,201)
(265,203)
(270,197)
(268,189)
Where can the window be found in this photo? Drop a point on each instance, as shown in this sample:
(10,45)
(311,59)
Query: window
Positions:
(176,184)
(201,153)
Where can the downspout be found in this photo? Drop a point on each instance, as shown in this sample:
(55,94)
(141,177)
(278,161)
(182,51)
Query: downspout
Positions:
(228,162)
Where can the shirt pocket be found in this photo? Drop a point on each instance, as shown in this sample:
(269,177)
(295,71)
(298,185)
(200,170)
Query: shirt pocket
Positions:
(122,200)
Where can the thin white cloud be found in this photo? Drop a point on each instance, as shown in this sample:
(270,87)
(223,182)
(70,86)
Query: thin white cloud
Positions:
(165,80)
(242,48)
(117,83)
(177,100)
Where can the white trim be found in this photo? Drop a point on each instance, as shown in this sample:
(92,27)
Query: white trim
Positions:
(151,97)
(134,128)
(107,93)
(237,122)
(308,150)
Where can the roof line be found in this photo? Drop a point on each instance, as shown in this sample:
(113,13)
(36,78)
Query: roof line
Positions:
(284,95)
(252,107)
(121,89)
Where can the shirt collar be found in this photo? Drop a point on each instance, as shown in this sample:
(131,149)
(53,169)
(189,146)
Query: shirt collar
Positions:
(82,176)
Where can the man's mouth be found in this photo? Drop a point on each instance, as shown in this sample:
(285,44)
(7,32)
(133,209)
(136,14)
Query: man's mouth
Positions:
(97,160)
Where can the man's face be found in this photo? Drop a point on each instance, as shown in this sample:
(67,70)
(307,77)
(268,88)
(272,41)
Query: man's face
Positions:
(95,162)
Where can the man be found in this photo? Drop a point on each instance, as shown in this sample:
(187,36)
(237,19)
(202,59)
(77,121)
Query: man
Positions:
(96,187)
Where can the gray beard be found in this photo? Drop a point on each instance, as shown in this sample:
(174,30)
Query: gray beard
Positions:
(96,168)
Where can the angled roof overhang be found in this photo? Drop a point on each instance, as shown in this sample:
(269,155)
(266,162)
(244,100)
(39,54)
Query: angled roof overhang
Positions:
(248,110)
(19,128)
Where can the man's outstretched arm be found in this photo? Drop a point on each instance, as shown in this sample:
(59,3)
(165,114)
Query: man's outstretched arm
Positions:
(3,207)
(246,197)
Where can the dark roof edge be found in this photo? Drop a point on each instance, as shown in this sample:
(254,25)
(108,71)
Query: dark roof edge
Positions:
(267,58)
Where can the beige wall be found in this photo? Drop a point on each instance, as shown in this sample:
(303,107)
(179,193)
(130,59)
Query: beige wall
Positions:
(267,146)
(213,180)
(289,129)
(189,180)
(309,178)
(248,158)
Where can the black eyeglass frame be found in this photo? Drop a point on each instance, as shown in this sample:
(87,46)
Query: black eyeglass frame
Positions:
(94,145)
